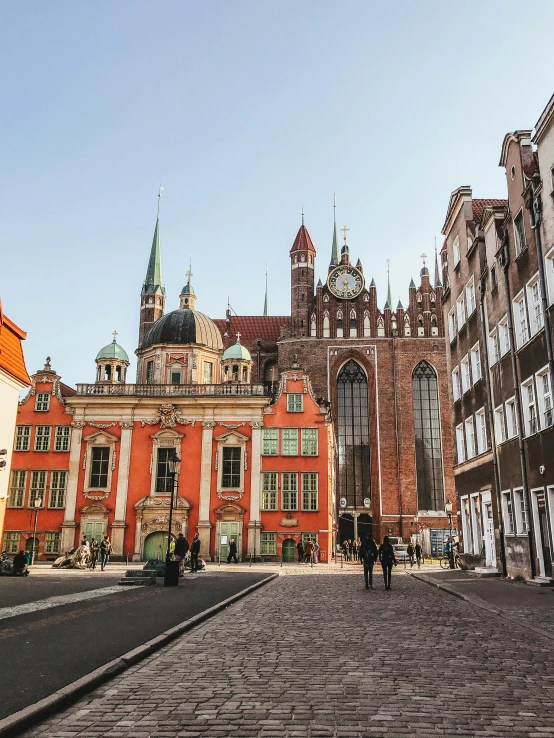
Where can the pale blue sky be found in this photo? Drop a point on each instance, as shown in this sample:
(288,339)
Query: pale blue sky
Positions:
(245,111)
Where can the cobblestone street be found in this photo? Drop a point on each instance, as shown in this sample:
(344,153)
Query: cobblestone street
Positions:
(319,656)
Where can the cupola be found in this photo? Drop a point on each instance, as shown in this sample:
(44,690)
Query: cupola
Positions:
(187,297)
(236,364)
(112,362)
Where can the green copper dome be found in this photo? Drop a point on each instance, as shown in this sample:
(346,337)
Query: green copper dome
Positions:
(113,351)
(237,352)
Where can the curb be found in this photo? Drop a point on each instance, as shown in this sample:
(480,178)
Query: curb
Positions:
(48,706)
(478,602)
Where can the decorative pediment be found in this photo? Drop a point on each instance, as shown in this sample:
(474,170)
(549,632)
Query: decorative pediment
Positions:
(229,508)
(101,438)
(166,435)
(162,502)
(231,437)
(168,416)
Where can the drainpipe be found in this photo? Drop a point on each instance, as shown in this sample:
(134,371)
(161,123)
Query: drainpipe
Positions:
(504,262)
(535,215)
(490,423)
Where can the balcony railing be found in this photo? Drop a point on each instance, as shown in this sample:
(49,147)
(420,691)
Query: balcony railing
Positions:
(174,390)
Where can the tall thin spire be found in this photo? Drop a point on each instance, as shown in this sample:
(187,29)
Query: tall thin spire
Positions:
(265,301)
(302,215)
(438,282)
(335,246)
(153,281)
(389,297)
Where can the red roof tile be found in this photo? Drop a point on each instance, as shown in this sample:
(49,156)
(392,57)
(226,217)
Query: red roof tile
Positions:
(11,350)
(302,242)
(480,205)
(66,390)
(254,327)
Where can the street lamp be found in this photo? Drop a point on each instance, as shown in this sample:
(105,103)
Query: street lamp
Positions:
(448,511)
(37,504)
(171,575)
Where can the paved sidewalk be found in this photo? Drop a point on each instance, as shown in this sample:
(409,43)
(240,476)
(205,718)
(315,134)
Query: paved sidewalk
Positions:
(320,657)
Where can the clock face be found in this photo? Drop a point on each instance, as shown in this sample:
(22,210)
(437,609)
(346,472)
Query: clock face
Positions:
(345,282)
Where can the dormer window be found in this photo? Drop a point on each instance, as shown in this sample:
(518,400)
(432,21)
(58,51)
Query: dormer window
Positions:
(176,377)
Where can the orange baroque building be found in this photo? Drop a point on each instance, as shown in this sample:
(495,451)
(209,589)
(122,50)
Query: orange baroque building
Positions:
(257,462)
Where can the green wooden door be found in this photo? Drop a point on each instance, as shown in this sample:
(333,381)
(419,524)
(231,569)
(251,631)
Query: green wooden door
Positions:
(155,546)
(289,550)
(231,530)
(94,529)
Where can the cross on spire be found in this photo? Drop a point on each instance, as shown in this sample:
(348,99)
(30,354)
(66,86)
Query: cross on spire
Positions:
(344,229)
(114,334)
(238,337)
(188,275)
(423,257)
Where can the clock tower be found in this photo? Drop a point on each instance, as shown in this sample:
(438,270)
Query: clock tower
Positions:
(302,257)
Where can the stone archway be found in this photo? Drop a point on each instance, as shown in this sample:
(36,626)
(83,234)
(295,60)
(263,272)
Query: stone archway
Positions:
(94,521)
(229,516)
(153,516)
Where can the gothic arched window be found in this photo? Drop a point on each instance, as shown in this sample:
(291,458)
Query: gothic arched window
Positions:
(326,326)
(428,446)
(353,481)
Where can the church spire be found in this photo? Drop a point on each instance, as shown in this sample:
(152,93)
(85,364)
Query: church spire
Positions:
(152,294)
(153,281)
(335,246)
(389,297)
(265,301)
(438,282)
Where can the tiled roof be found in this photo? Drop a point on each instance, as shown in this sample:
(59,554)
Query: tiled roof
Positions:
(66,390)
(302,242)
(480,205)
(254,327)
(11,350)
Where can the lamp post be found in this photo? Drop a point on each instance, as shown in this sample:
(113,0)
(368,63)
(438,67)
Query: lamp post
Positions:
(170,580)
(37,504)
(448,511)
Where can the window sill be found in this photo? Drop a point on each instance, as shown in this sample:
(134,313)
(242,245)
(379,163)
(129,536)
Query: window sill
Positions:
(522,253)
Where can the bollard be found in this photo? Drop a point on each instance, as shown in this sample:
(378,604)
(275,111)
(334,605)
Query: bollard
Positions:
(281,561)
(341,560)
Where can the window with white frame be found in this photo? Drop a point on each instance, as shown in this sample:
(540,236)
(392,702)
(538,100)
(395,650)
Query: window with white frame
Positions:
(508,513)
(499,424)
(52,542)
(451,325)
(37,489)
(503,336)
(494,347)
(519,233)
(456,389)
(268,543)
(232,461)
(466,525)
(61,442)
(511,421)
(42,402)
(535,305)
(11,542)
(18,478)
(289,444)
(295,402)
(528,400)
(460,448)
(309,491)
(326,326)
(470,438)
(367,326)
(481,431)
(465,375)
(549,269)
(42,437)
(521,512)
(58,483)
(269,490)
(470,297)
(313,326)
(475,363)
(22,438)
(544,397)
(456,251)
(461,311)
(270,441)
(309,441)
(309,537)
(99,468)
(289,491)
(492,277)
(520,320)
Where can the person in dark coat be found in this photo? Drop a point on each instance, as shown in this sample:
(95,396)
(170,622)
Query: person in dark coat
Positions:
(300,551)
(180,551)
(387,559)
(20,563)
(418,554)
(194,551)
(410,552)
(232,552)
(368,556)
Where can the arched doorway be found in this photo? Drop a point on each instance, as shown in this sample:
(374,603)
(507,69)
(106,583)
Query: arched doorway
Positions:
(289,550)
(155,546)
(353,473)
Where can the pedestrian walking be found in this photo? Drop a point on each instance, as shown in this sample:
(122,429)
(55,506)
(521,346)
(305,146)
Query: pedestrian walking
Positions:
(387,559)
(418,554)
(180,551)
(410,552)
(355,550)
(94,551)
(345,549)
(105,551)
(317,549)
(300,551)
(194,551)
(232,552)
(368,556)
(308,552)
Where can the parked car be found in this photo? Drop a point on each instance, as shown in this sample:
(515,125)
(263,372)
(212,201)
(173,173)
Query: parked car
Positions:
(401,552)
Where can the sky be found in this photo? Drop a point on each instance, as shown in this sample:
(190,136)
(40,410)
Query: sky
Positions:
(246,112)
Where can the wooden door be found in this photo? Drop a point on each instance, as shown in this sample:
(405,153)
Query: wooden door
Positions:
(226,532)
(289,550)
(155,546)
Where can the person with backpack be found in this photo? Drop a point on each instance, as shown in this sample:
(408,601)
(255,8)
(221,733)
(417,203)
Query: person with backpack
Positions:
(368,556)
(105,551)
(388,560)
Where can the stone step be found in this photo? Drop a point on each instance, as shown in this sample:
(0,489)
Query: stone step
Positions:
(138,581)
(486,571)
(140,574)
(541,582)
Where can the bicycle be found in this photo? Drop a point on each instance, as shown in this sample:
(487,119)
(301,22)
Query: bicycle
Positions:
(445,562)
